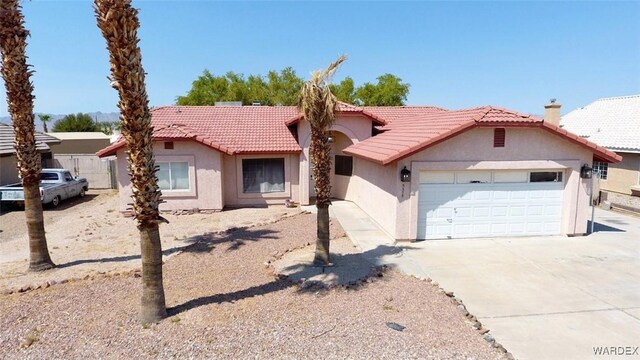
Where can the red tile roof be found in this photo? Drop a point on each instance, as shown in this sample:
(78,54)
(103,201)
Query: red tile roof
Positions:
(232,129)
(346,109)
(409,134)
(393,114)
(405,129)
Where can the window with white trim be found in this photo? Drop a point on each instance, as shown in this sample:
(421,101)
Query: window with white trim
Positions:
(173,175)
(263,175)
(601,168)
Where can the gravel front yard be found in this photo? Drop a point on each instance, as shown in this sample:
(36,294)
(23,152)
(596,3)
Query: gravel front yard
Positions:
(89,236)
(225,303)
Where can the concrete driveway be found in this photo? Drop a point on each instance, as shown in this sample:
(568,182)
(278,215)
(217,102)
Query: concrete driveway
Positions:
(542,297)
(547,297)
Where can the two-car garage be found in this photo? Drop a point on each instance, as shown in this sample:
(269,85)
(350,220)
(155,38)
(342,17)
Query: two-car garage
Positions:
(467,204)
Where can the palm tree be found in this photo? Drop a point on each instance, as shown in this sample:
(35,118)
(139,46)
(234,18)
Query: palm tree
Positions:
(16,74)
(318,105)
(119,24)
(45,118)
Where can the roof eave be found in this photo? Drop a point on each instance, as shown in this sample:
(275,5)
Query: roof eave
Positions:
(600,153)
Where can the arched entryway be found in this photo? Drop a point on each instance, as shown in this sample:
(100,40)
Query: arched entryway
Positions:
(341,166)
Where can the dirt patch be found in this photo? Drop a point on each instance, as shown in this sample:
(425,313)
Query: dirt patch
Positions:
(89,236)
(225,303)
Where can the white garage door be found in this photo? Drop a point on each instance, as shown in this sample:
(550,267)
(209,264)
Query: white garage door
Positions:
(469,204)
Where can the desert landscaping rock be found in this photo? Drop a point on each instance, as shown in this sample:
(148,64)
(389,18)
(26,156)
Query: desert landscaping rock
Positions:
(105,248)
(223,303)
(348,266)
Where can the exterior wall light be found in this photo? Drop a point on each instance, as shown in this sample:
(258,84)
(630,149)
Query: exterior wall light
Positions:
(586,172)
(405,175)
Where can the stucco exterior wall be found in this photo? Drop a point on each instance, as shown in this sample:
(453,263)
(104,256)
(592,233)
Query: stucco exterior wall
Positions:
(473,150)
(8,170)
(623,175)
(205,177)
(9,167)
(354,128)
(79,146)
(339,183)
(232,170)
(373,188)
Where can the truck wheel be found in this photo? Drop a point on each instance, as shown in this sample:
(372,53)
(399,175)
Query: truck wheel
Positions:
(82,192)
(55,202)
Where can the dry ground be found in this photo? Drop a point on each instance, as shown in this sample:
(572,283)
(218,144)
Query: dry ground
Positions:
(89,236)
(225,303)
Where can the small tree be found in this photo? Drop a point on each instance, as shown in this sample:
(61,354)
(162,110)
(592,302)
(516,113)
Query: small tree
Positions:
(319,105)
(389,91)
(76,123)
(45,118)
(108,127)
(16,73)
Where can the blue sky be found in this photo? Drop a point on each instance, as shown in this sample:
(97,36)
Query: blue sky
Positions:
(454,54)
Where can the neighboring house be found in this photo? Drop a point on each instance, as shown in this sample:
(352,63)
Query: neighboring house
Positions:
(615,124)
(8,159)
(419,172)
(79,142)
(77,153)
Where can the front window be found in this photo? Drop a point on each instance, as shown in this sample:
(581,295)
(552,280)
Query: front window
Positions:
(262,175)
(545,176)
(601,168)
(344,165)
(173,175)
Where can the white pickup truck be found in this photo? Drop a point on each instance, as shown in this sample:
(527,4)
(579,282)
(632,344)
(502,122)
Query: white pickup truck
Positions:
(55,186)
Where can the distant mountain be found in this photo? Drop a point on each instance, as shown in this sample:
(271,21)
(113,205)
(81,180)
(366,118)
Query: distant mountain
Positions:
(98,116)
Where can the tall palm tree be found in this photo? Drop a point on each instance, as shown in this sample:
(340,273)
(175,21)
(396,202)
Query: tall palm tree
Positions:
(119,24)
(45,118)
(16,74)
(319,105)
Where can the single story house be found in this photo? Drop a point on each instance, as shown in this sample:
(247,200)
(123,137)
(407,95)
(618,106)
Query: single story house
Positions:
(420,172)
(8,159)
(615,124)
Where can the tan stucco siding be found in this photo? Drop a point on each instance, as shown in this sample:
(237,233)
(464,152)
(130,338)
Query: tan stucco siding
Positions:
(354,129)
(8,170)
(623,175)
(373,188)
(205,177)
(473,150)
(79,146)
(233,187)
(339,183)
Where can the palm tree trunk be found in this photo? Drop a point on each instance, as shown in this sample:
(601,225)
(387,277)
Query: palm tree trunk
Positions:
(153,303)
(16,74)
(39,258)
(320,151)
(322,240)
(119,24)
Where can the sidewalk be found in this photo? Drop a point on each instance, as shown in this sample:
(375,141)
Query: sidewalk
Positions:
(353,256)
(377,247)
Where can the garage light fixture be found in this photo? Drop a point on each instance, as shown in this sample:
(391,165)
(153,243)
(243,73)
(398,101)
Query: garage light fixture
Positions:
(405,175)
(586,172)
